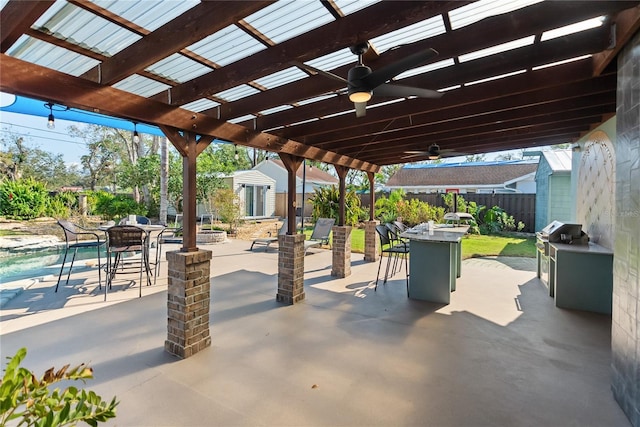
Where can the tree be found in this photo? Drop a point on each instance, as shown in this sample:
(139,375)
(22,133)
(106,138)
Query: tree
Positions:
(475,158)
(385,173)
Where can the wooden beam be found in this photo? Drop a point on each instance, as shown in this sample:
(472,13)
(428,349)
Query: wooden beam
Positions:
(625,25)
(292,163)
(26,79)
(16,19)
(342,175)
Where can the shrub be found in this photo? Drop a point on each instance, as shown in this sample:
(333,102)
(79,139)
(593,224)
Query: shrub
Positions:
(32,401)
(386,208)
(118,206)
(23,198)
(496,220)
(326,204)
(227,204)
(415,211)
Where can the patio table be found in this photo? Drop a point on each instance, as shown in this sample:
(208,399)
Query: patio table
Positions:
(149,230)
(435,261)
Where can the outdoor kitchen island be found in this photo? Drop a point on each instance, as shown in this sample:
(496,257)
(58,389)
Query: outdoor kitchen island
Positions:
(435,261)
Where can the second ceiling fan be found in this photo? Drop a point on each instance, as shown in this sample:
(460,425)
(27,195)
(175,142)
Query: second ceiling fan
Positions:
(362,82)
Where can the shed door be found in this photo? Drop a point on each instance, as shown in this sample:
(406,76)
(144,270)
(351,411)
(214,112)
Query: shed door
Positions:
(254,197)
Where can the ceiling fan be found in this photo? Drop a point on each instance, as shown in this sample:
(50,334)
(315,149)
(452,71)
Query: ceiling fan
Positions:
(362,82)
(433,153)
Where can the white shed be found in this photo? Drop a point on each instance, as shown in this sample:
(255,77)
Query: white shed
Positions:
(257,193)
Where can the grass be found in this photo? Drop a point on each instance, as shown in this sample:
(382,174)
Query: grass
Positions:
(473,246)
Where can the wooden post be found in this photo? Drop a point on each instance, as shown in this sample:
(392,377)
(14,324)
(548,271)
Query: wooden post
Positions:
(342,174)
(372,198)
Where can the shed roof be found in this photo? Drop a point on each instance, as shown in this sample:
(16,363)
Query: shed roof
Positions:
(311,174)
(461,174)
(559,160)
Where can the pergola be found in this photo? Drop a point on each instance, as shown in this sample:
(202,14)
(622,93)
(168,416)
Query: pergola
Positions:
(513,75)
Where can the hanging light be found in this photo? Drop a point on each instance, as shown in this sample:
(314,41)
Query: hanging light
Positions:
(237,156)
(51,123)
(136,137)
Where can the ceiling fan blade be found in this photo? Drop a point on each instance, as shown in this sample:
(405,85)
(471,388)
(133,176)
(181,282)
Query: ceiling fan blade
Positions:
(361,108)
(417,153)
(314,71)
(388,72)
(405,91)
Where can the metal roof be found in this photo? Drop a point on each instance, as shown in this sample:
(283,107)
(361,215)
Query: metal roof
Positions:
(515,74)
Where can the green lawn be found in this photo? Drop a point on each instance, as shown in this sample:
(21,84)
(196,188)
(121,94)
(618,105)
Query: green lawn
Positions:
(472,245)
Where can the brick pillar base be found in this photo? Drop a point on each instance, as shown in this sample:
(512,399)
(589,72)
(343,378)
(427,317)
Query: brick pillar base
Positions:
(371,241)
(290,268)
(188,299)
(341,266)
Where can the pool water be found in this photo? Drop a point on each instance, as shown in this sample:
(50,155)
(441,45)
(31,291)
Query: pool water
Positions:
(42,263)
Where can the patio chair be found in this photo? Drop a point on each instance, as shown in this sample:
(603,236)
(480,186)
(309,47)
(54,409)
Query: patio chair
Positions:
(396,240)
(72,235)
(122,239)
(387,246)
(270,239)
(320,234)
(168,235)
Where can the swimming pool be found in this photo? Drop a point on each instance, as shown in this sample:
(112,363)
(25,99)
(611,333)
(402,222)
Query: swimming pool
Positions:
(42,263)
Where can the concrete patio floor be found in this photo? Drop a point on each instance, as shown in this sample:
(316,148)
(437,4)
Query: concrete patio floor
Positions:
(501,354)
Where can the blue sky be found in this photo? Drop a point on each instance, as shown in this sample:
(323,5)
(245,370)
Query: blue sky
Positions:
(36,134)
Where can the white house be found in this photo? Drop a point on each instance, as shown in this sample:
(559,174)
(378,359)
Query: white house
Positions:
(257,193)
(313,178)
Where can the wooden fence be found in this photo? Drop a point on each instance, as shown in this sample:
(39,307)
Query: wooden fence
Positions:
(521,206)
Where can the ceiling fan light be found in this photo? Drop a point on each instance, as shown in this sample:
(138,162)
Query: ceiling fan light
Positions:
(360,96)
(433,157)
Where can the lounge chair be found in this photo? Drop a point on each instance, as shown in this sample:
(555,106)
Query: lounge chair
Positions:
(320,234)
(266,241)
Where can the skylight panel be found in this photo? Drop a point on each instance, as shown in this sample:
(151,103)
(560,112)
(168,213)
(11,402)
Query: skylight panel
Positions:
(412,33)
(425,69)
(237,92)
(150,15)
(349,6)
(482,9)
(242,119)
(276,109)
(501,76)
(573,28)
(178,68)
(281,77)
(51,56)
(77,26)
(140,85)
(316,99)
(566,61)
(200,105)
(333,60)
(227,46)
(514,44)
(286,19)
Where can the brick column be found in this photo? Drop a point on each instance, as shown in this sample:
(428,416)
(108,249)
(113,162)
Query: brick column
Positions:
(371,241)
(290,268)
(188,299)
(341,266)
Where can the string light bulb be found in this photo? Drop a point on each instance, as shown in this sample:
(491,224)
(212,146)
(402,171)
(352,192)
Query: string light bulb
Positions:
(136,137)
(51,121)
(237,156)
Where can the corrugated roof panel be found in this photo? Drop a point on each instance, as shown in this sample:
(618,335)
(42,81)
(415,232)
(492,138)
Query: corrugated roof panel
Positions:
(140,85)
(51,56)
(425,69)
(83,28)
(286,19)
(281,77)
(409,34)
(276,109)
(237,92)
(227,46)
(316,99)
(573,28)
(333,60)
(150,15)
(514,44)
(559,160)
(200,105)
(349,6)
(178,68)
(479,10)
(242,119)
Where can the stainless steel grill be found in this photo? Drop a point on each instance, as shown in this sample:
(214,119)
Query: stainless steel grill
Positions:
(556,232)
